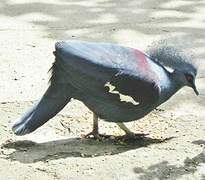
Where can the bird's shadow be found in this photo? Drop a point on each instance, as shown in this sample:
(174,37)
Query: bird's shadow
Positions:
(31,152)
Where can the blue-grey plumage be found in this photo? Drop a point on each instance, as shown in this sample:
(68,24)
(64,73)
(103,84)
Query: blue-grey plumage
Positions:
(119,84)
(55,98)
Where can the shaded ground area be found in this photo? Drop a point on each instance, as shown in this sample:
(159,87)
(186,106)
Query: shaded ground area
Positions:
(174,148)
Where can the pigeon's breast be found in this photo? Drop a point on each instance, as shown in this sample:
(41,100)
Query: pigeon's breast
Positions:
(163,80)
(153,71)
(162,75)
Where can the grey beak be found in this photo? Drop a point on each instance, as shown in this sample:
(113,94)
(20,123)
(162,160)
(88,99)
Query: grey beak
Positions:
(195,89)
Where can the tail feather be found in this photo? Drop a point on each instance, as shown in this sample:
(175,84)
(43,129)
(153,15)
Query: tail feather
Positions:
(53,101)
(55,98)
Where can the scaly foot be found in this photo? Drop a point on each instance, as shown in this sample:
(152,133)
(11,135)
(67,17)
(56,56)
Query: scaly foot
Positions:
(95,135)
(129,135)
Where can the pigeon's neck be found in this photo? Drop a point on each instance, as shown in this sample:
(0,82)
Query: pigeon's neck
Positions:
(173,85)
(176,83)
(178,78)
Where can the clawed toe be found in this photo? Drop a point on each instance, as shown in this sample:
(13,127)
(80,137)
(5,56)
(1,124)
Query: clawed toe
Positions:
(95,135)
(126,137)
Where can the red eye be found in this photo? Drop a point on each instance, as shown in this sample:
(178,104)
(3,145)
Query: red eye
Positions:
(189,78)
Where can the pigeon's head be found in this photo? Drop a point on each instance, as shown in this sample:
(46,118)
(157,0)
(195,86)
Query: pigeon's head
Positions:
(186,76)
(178,63)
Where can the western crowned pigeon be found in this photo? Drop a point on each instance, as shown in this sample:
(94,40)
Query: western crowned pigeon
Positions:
(118,84)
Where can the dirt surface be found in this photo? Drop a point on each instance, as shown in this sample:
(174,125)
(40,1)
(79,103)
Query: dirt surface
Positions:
(175,146)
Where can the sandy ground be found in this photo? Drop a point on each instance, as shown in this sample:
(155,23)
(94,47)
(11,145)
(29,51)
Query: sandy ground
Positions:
(174,148)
